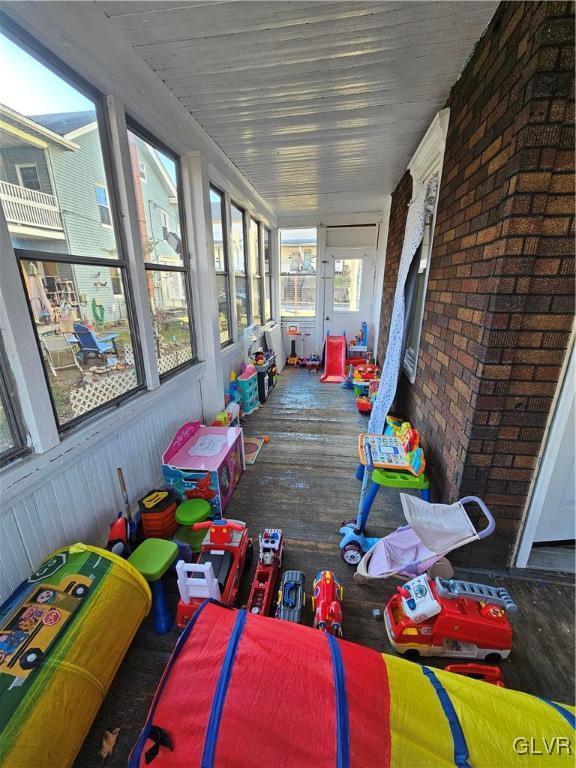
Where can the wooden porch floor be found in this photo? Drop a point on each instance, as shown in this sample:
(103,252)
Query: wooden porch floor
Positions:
(303,482)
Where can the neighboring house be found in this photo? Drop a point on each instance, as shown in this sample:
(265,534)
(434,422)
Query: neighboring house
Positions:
(55,197)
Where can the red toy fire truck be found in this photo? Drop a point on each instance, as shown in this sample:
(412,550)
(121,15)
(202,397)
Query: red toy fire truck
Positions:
(226,552)
(326,599)
(450,618)
(267,571)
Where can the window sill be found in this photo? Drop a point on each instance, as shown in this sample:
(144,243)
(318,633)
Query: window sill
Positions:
(36,468)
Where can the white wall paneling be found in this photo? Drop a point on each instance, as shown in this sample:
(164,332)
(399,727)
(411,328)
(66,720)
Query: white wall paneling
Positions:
(72,494)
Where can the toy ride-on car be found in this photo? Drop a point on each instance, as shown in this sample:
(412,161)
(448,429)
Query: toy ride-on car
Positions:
(226,552)
(291,597)
(326,599)
(450,618)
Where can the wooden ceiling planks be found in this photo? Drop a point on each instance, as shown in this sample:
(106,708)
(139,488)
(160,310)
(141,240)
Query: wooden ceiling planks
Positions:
(319,104)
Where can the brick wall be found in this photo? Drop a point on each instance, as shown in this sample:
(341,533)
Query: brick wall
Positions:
(500,296)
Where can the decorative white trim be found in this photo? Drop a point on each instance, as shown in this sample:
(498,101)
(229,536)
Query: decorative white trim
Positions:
(430,153)
(88,128)
(426,161)
(36,127)
(551,447)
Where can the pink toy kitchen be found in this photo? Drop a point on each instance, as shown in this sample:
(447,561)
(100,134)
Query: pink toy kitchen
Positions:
(204,462)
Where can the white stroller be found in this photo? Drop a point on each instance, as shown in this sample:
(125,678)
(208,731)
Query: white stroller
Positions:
(433,530)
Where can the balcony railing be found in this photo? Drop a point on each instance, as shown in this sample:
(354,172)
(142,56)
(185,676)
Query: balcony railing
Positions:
(29,208)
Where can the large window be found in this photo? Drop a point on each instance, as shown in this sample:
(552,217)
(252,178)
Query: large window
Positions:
(415,296)
(60,210)
(237,243)
(159,207)
(219,241)
(298,272)
(255,271)
(267,275)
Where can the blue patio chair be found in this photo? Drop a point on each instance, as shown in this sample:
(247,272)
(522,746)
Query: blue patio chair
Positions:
(90,344)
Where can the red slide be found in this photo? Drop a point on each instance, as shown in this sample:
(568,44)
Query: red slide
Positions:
(335,360)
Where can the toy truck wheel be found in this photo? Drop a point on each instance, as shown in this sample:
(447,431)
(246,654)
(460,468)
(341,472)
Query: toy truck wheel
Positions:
(493,658)
(351,554)
(31,659)
(412,654)
(442,569)
(348,523)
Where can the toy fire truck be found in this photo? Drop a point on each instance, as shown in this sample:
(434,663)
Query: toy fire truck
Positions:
(450,618)
(226,552)
(267,571)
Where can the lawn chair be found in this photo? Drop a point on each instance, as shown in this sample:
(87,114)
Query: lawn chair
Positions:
(90,344)
(59,353)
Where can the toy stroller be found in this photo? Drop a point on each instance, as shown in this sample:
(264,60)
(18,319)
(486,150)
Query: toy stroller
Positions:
(433,530)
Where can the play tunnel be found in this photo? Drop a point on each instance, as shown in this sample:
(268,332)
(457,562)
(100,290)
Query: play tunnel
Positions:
(246,690)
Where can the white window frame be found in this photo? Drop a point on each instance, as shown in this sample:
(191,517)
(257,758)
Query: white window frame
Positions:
(99,204)
(281,274)
(426,162)
(142,172)
(19,167)
(226,272)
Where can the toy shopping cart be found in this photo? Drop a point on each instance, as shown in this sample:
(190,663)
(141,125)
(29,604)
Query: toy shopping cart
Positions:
(433,531)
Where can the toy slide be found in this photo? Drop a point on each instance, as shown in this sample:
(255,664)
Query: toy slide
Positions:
(335,362)
(63,634)
(243,689)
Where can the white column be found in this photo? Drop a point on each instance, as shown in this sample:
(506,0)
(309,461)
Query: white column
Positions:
(196,183)
(22,350)
(131,231)
(320,285)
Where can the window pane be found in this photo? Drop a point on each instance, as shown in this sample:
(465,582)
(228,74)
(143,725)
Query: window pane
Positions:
(241,284)
(49,128)
(347,285)
(256,300)
(170,318)
(298,295)
(155,176)
(266,240)
(83,331)
(216,207)
(237,238)
(7,442)
(223,313)
(298,250)
(267,299)
(254,248)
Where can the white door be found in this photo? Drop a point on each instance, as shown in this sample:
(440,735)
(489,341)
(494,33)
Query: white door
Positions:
(347,291)
(558,520)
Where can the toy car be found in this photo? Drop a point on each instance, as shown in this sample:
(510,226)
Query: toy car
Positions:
(267,571)
(226,552)
(326,599)
(450,618)
(291,597)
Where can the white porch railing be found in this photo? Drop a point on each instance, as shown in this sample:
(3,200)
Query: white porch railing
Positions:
(29,207)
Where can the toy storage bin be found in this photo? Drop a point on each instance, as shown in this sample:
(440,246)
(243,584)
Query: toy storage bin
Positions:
(204,462)
(248,388)
(158,510)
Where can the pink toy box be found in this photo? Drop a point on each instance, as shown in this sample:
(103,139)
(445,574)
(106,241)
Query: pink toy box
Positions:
(204,462)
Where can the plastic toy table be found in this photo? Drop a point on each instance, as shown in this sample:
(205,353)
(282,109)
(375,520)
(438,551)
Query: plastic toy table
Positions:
(199,454)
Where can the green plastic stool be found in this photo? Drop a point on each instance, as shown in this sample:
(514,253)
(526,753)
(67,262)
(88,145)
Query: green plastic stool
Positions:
(187,514)
(153,558)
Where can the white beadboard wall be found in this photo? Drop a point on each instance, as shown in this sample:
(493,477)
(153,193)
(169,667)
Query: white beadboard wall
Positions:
(73,495)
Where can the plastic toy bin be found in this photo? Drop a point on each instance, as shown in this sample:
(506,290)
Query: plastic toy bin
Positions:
(158,513)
